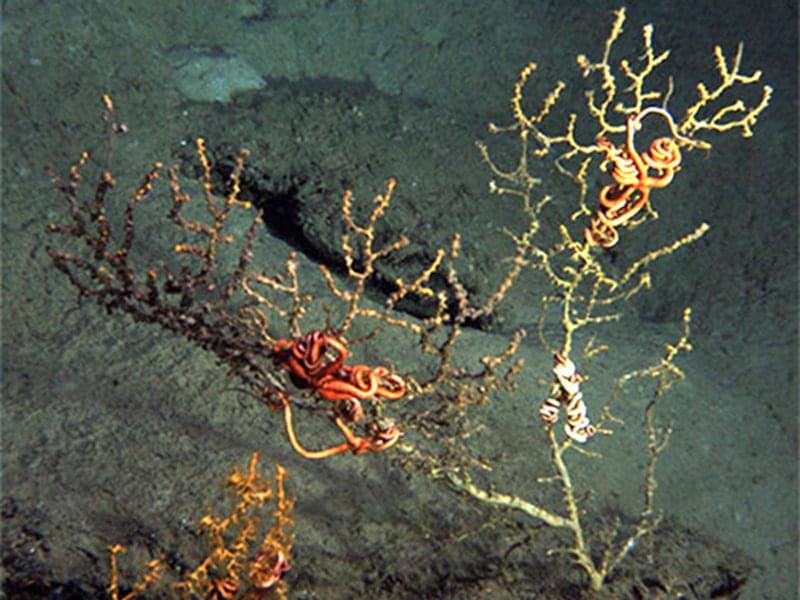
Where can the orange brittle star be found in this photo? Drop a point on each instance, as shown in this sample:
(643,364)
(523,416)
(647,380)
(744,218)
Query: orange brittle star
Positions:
(316,361)
(622,200)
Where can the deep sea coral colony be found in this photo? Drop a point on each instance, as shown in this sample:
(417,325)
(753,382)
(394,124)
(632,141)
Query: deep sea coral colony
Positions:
(255,323)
